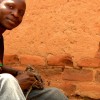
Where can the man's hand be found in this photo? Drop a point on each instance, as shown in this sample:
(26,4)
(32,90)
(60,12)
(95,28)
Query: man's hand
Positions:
(0,69)
(25,80)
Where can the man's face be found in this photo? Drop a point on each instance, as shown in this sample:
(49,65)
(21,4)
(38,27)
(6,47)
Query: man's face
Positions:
(11,13)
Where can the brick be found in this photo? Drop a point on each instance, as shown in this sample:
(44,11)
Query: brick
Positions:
(60,60)
(67,87)
(11,59)
(51,72)
(32,60)
(51,75)
(19,67)
(97,76)
(89,62)
(91,90)
(77,75)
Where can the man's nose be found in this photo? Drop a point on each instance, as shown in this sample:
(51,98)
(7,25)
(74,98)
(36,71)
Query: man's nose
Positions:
(15,13)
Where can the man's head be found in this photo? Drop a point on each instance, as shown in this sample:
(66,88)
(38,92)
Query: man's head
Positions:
(11,13)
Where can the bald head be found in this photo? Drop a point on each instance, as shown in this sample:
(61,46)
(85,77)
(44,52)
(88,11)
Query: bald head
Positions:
(11,13)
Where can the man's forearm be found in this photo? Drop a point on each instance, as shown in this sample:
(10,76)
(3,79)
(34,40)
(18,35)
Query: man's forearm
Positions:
(6,69)
(1,49)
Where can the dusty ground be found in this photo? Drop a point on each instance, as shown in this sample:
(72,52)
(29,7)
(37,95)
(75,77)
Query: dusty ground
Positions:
(57,27)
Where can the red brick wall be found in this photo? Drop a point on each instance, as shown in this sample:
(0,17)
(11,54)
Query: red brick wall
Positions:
(79,80)
(58,27)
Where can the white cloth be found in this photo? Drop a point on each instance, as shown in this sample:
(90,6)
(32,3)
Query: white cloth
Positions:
(9,88)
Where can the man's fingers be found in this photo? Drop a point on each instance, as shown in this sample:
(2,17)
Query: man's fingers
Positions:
(30,74)
(32,79)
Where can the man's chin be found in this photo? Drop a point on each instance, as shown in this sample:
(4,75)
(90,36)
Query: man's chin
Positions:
(9,27)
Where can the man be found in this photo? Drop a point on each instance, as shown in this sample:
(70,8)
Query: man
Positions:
(11,15)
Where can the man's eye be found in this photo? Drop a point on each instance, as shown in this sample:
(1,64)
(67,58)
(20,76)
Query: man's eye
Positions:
(10,7)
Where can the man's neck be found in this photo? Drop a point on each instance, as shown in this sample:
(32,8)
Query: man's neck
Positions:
(2,29)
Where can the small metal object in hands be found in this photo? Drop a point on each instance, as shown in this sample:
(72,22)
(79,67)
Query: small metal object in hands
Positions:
(38,83)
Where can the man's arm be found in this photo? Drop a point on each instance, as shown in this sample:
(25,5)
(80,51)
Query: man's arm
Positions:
(1,49)
(25,79)
(4,68)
